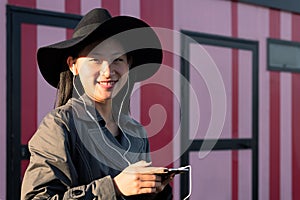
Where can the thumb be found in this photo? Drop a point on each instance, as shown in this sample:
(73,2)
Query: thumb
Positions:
(141,163)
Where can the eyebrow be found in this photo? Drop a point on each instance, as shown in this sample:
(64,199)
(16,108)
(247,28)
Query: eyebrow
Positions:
(113,54)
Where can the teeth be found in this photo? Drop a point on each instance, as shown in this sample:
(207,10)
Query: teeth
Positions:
(107,83)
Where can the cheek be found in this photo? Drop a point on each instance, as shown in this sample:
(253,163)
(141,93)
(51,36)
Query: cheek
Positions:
(88,79)
(86,72)
(125,69)
(124,73)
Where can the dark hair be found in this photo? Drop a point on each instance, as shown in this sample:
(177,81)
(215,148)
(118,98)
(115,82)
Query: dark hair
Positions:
(65,88)
(65,84)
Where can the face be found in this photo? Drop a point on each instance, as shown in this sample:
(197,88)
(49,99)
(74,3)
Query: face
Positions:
(103,69)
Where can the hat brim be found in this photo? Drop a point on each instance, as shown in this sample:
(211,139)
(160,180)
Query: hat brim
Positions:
(138,38)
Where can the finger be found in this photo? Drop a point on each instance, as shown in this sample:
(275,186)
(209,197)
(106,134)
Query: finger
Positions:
(147,190)
(150,184)
(172,176)
(149,177)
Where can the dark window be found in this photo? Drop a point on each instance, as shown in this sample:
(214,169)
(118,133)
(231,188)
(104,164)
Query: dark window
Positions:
(283,55)
(288,5)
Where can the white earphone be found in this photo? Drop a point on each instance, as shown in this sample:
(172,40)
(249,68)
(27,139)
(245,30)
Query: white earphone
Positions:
(99,128)
(73,70)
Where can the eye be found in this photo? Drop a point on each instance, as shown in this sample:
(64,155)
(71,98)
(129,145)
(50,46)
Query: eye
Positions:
(95,60)
(118,60)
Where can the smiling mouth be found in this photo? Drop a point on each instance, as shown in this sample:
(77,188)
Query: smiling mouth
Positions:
(108,83)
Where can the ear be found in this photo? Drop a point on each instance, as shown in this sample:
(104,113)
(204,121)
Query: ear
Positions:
(129,60)
(71,63)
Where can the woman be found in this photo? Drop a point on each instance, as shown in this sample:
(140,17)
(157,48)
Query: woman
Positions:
(89,147)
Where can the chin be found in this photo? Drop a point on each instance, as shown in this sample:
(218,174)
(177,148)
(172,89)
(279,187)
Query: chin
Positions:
(103,99)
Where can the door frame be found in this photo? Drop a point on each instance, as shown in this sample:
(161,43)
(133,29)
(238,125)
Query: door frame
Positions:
(16,152)
(188,145)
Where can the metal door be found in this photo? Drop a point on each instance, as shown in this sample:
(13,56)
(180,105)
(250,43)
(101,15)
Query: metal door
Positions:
(26,103)
(230,168)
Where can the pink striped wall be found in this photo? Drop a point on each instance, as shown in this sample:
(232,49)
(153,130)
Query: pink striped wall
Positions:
(132,8)
(88,5)
(211,180)
(46,93)
(47,35)
(54,5)
(159,14)
(3,101)
(286,117)
(216,11)
(295,117)
(253,24)
(244,92)
(244,124)
(278,92)
(274,114)
(40,102)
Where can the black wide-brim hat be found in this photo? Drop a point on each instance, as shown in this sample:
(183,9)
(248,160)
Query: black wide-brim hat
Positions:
(137,37)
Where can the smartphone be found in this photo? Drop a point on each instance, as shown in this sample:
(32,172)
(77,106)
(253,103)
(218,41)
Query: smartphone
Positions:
(178,170)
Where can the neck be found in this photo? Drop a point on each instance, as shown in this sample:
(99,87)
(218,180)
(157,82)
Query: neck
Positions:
(105,110)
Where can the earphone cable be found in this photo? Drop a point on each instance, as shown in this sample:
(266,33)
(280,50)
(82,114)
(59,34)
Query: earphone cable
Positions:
(119,115)
(103,137)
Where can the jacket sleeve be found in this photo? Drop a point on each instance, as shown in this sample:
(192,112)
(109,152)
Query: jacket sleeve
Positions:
(51,173)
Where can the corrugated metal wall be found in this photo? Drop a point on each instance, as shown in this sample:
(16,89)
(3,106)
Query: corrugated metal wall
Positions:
(279,92)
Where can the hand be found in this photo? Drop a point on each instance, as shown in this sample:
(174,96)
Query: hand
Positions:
(133,180)
(165,181)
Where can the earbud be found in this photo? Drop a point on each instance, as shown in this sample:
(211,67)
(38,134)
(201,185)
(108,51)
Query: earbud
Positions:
(73,69)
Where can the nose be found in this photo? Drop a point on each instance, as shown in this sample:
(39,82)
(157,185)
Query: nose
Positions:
(106,69)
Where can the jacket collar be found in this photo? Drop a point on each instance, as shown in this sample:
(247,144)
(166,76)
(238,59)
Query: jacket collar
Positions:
(85,109)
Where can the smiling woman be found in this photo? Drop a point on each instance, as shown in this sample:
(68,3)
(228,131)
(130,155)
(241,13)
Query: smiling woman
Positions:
(103,71)
(88,146)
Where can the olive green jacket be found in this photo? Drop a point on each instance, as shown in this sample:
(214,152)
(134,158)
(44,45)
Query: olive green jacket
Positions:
(74,156)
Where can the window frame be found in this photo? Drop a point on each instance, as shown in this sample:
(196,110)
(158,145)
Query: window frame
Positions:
(286,5)
(220,144)
(280,42)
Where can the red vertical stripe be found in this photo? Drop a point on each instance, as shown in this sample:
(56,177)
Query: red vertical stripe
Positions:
(28,85)
(295,117)
(28,75)
(235,101)
(22,3)
(28,78)
(296,135)
(159,14)
(28,82)
(72,6)
(113,6)
(274,29)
